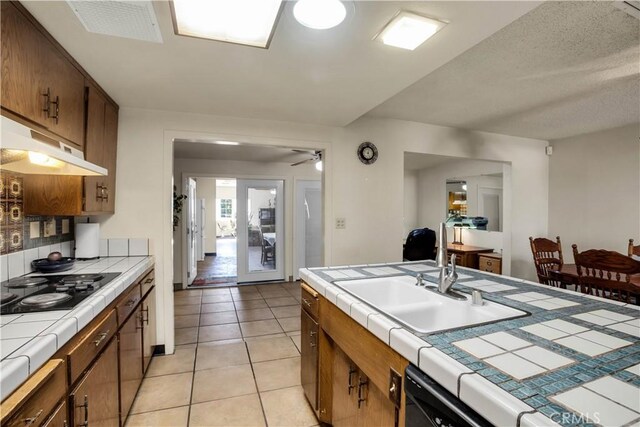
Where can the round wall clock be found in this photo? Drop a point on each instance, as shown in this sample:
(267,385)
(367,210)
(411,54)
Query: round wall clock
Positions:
(367,153)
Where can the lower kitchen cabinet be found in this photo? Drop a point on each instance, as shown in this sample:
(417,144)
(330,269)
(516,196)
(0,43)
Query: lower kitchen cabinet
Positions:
(148,322)
(356,400)
(130,342)
(309,358)
(94,401)
(59,418)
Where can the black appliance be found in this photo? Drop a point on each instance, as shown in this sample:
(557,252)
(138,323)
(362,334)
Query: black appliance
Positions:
(54,292)
(420,245)
(431,405)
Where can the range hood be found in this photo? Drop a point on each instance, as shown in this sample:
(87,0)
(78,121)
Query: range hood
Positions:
(22,150)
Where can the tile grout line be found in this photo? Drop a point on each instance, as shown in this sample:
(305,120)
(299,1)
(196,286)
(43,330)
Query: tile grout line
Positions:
(195,360)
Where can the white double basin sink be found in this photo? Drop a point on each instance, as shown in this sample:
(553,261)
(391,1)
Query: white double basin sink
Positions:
(423,310)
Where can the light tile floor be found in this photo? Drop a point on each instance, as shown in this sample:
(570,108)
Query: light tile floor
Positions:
(237,362)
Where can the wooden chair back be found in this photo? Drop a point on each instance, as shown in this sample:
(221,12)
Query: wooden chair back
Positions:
(547,255)
(633,250)
(607,274)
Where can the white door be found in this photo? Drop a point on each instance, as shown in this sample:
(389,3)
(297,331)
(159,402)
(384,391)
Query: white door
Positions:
(308,228)
(200,221)
(260,230)
(190,223)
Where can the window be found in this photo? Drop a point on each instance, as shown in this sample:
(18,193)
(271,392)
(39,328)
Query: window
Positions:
(226,209)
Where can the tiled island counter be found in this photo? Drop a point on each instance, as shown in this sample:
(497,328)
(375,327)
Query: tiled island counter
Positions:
(574,360)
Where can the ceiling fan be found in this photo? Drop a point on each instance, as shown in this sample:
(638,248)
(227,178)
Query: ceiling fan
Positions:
(316,156)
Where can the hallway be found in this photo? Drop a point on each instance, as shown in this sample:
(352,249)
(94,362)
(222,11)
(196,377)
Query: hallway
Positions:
(237,362)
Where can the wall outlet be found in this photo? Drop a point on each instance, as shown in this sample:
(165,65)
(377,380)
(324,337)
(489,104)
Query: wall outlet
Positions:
(50,227)
(65,226)
(34,229)
(341,223)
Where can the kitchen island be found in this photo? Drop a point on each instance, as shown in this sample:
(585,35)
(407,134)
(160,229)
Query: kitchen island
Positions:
(572,359)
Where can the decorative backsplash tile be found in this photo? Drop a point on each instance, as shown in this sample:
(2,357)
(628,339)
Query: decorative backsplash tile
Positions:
(19,232)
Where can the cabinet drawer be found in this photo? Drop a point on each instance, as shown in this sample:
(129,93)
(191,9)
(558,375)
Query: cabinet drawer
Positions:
(147,282)
(81,356)
(309,300)
(32,403)
(491,265)
(128,304)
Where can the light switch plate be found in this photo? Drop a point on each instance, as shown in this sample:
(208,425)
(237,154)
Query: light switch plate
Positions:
(34,229)
(341,223)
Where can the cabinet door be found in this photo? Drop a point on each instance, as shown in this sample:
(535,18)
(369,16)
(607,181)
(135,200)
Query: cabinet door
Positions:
(95,399)
(345,390)
(149,328)
(94,149)
(109,154)
(24,77)
(309,359)
(374,407)
(59,417)
(67,97)
(130,361)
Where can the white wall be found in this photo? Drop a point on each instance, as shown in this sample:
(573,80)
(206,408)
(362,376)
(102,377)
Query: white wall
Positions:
(368,196)
(206,189)
(237,169)
(365,195)
(594,190)
(410,211)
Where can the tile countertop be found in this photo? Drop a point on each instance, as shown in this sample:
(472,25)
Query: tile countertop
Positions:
(28,340)
(574,361)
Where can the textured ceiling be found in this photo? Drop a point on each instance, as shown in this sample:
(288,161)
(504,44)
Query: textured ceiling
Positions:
(326,77)
(564,69)
(248,153)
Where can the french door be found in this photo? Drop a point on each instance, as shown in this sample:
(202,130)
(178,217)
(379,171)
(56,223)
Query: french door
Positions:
(192,266)
(260,230)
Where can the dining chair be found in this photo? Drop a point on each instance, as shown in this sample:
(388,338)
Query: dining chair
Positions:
(607,274)
(268,250)
(633,250)
(547,256)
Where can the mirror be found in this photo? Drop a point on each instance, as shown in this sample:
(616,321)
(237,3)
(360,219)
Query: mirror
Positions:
(475,202)
(443,187)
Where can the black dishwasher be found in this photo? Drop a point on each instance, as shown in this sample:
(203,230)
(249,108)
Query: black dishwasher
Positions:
(430,404)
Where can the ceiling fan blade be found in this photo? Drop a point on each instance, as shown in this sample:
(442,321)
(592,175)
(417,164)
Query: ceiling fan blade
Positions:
(303,161)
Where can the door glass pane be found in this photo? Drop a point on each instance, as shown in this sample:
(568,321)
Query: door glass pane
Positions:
(262,233)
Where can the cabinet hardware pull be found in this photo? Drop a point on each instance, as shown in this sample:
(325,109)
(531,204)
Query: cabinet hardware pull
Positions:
(361,384)
(145,319)
(131,302)
(31,420)
(64,424)
(98,192)
(105,192)
(101,337)
(149,280)
(57,104)
(352,370)
(86,411)
(306,302)
(47,102)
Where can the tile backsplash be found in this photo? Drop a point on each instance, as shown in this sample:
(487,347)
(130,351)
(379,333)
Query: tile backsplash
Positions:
(19,232)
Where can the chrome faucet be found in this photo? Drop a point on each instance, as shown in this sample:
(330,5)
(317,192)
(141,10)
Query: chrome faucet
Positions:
(419,279)
(446,278)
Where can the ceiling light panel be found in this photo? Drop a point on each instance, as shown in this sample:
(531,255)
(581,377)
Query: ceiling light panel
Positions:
(247,22)
(129,19)
(409,30)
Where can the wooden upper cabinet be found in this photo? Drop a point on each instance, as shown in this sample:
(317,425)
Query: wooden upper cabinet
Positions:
(110,151)
(94,148)
(39,83)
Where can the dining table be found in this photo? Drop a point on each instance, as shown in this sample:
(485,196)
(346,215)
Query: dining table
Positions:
(568,275)
(270,238)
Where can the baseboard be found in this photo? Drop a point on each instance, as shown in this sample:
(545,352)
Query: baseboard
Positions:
(159,349)
(177,287)
(210,254)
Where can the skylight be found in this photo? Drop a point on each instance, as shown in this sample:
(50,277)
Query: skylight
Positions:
(247,22)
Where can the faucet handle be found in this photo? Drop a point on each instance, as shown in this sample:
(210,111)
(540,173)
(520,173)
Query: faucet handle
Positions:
(419,279)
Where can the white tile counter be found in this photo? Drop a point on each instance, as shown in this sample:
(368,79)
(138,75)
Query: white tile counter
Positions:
(28,340)
(574,360)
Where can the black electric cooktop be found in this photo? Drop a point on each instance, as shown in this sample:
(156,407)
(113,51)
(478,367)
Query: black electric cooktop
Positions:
(54,292)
